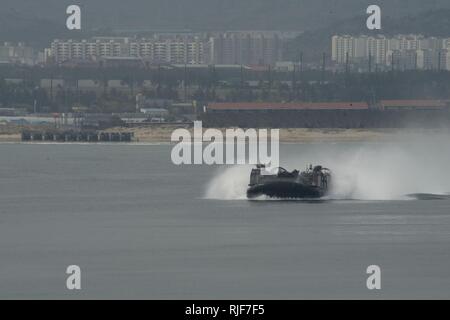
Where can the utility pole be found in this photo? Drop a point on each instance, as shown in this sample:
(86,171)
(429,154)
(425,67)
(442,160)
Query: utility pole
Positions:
(185,82)
(323,67)
(439,61)
(133,81)
(294,82)
(78,90)
(213,80)
(301,62)
(301,76)
(35,99)
(51,87)
(158,90)
(346,63)
(269,76)
(415,61)
(392,62)
(242,77)
(346,71)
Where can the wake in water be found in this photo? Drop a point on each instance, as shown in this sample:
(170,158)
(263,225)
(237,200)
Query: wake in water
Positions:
(412,167)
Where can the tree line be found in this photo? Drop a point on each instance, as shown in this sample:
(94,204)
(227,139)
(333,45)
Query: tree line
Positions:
(211,84)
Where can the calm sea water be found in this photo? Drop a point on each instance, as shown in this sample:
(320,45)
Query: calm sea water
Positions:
(140,227)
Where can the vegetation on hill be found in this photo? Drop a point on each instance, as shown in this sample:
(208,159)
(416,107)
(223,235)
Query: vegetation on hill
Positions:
(313,42)
(41,20)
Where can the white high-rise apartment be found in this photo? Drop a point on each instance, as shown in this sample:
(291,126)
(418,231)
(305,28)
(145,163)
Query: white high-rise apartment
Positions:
(172,50)
(342,47)
(246,47)
(243,47)
(405,51)
(359,48)
(377,48)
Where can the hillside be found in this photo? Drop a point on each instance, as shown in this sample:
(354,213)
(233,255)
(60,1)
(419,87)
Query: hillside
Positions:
(430,23)
(45,19)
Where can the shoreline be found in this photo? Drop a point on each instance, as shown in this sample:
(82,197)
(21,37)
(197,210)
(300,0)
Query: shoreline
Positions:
(162,134)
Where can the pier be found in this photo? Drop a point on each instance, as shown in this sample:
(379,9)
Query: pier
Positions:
(76,136)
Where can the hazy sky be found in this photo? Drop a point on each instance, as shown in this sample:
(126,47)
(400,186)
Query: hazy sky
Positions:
(210,14)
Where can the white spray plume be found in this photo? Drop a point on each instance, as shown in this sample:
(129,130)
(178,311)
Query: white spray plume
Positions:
(365,171)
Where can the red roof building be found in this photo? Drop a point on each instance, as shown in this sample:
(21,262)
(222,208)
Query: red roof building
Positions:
(255,106)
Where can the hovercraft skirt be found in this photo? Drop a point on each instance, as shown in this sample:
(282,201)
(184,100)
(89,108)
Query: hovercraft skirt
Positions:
(284,190)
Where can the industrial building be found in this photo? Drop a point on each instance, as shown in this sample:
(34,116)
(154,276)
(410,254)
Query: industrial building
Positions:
(383,114)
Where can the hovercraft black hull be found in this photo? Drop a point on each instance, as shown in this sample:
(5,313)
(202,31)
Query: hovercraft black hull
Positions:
(285,190)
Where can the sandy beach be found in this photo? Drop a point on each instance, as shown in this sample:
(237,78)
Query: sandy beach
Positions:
(287,135)
(162,133)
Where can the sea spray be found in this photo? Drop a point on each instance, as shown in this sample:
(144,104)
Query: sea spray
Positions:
(229,183)
(364,171)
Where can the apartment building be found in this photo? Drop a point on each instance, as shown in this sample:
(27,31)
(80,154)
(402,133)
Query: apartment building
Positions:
(177,50)
(240,47)
(347,48)
(17,53)
(249,48)
(402,51)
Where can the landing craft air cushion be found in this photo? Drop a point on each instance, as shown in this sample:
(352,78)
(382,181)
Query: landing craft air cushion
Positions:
(310,184)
